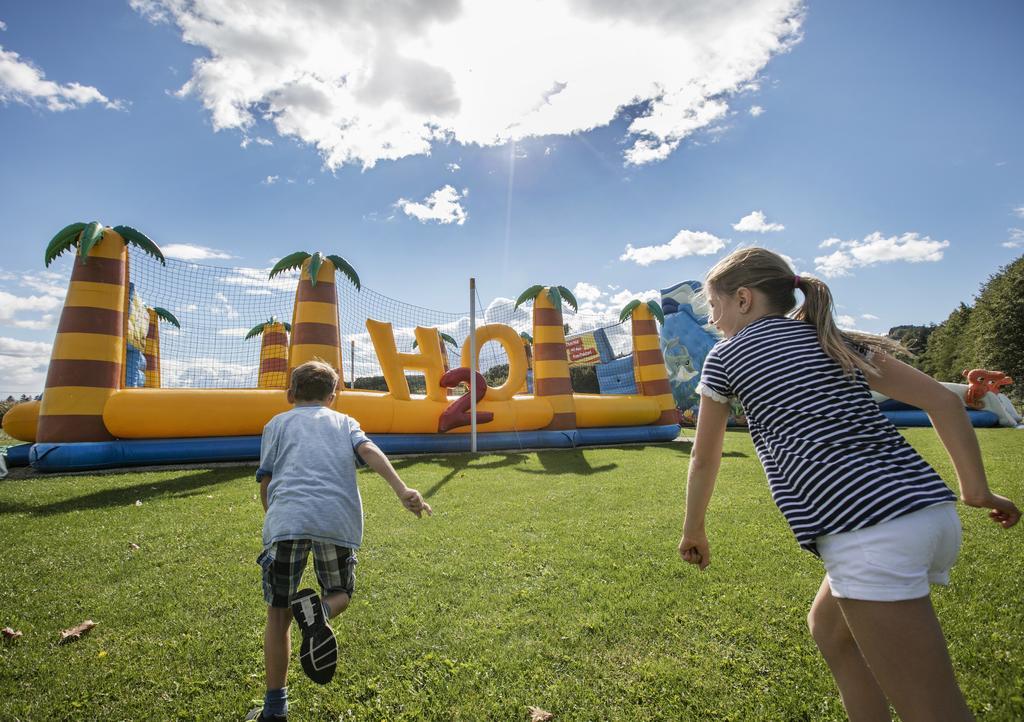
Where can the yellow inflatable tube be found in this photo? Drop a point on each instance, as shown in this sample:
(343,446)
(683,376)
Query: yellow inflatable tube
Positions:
(20,422)
(191,413)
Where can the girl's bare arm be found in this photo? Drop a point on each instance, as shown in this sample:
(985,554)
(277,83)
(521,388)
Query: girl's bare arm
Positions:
(945,408)
(705,459)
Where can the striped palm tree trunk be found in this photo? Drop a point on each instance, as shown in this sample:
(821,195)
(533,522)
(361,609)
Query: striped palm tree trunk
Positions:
(315,321)
(550,365)
(87,360)
(274,357)
(152,351)
(649,364)
(529,366)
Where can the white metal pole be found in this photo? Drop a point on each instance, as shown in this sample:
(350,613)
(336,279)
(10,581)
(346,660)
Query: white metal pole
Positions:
(352,366)
(472,365)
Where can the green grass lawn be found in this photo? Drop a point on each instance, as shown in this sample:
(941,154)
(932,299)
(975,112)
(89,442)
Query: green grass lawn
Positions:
(547,579)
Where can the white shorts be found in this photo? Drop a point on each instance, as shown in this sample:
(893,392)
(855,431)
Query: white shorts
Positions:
(896,559)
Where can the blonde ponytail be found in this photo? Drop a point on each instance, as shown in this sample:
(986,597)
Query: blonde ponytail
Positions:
(770,273)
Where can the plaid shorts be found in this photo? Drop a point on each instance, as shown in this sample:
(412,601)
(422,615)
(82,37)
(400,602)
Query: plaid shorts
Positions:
(284,562)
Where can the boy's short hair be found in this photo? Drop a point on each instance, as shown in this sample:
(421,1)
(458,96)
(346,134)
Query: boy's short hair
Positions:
(314,381)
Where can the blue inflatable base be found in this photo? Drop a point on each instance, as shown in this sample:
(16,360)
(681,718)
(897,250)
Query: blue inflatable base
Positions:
(87,455)
(909,416)
(18,455)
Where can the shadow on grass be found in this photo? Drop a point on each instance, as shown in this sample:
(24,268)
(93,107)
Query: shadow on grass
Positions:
(185,485)
(457,463)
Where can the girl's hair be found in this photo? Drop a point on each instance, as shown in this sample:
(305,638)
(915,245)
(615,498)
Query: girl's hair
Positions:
(770,274)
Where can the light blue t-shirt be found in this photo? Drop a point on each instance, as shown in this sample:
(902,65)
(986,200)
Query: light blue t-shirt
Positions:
(309,452)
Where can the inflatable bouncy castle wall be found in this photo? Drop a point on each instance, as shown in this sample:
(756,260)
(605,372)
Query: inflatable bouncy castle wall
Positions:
(119,391)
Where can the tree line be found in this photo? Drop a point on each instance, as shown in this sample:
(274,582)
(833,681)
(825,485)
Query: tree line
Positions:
(987,334)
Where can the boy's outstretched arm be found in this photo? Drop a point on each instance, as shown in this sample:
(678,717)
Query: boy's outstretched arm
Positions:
(904,383)
(376,460)
(705,458)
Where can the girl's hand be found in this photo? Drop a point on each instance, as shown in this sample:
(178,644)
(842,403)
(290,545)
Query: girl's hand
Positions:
(693,548)
(1001,510)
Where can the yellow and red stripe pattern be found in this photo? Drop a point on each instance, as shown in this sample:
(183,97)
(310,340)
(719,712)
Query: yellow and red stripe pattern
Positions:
(86,364)
(551,378)
(274,357)
(152,350)
(649,364)
(315,321)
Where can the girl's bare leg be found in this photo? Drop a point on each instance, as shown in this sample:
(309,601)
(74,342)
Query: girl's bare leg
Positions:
(862,697)
(903,645)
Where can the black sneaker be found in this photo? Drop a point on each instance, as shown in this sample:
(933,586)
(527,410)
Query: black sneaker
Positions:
(256,715)
(319,651)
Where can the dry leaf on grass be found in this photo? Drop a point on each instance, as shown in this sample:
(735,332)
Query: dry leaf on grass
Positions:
(10,633)
(76,632)
(540,715)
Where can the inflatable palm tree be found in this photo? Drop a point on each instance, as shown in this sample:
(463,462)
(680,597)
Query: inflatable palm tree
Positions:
(551,367)
(315,317)
(88,356)
(273,352)
(443,339)
(648,360)
(152,351)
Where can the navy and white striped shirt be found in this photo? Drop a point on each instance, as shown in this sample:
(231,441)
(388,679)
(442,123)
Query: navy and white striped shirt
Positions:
(834,462)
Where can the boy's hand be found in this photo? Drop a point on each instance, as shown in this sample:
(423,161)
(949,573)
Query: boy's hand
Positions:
(694,549)
(413,501)
(1001,510)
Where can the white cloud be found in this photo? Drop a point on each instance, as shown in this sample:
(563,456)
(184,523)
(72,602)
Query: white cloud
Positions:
(192,252)
(869,316)
(379,81)
(876,248)
(443,206)
(685,243)
(23,82)
(829,242)
(586,291)
(233,332)
(270,180)
(23,349)
(846,322)
(11,305)
(3,25)
(755,222)
(756,110)
(257,281)
(1019,212)
(1016,239)
(452,167)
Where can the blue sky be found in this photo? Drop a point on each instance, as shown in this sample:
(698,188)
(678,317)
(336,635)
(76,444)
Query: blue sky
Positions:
(536,145)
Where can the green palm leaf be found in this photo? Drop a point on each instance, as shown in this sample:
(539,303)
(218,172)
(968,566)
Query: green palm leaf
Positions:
(91,235)
(315,261)
(62,241)
(628,309)
(556,298)
(140,239)
(294,260)
(256,330)
(164,314)
(346,269)
(526,337)
(528,294)
(656,311)
(569,298)
(449,340)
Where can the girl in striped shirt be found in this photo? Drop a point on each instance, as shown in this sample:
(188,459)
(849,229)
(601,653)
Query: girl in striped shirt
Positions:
(852,489)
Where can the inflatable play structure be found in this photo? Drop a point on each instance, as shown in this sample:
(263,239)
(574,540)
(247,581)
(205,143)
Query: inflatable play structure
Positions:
(687,337)
(152,363)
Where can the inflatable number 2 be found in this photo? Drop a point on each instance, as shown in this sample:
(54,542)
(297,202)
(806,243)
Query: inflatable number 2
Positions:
(457,414)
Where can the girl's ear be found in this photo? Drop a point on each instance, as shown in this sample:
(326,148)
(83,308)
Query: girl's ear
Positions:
(744,297)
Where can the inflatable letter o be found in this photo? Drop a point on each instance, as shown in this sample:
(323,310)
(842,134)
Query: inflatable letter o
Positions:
(513,345)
